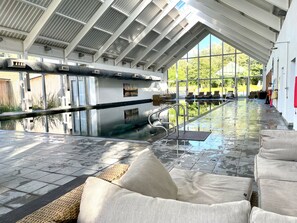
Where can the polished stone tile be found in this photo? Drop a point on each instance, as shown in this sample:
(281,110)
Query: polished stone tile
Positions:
(38,162)
(4,210)
(51,178)
(31,186)
(10,195)
(20,201)
(44,190)
(64,180)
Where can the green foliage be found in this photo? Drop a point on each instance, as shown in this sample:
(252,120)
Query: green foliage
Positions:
(52,102)
(214,84)
(256,68)
(9,108)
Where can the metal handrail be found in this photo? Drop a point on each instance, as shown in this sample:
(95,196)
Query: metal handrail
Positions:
(158,112)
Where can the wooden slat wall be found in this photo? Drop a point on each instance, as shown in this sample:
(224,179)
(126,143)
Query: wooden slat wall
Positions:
(6,93)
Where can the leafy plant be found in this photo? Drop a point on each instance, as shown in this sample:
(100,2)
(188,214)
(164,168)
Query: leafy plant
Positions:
(52,102)
(9,108)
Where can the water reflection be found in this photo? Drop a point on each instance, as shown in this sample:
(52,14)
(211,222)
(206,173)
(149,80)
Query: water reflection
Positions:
(126,122)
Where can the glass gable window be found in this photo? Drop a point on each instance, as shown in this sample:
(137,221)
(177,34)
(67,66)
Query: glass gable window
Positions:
(214,65)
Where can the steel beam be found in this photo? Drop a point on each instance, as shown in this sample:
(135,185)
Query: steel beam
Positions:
(89,25)
(153,23)
(282,4)
(159,38)
(181,46)
(122,28)
(243,49)
(233,25)
(238,18)
(175,58)
(168,45)
(226,31)
(48,13)
(255,12)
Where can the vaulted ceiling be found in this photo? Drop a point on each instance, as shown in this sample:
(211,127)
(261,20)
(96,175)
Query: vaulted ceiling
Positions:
(152,34)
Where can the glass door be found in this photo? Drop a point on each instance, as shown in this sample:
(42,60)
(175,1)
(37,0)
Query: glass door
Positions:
(182,89)
(242,87)
(229,87)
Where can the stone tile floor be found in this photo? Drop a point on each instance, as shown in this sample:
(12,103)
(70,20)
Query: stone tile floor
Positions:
(32,164)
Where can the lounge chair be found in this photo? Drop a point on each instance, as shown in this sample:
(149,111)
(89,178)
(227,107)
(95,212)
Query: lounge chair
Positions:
(216,94)
(276,171)
(230,94)
(190,95)
(208,95)
(253,94)
(200,95)
(180,185)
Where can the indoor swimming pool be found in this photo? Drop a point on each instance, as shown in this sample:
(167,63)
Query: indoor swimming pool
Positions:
(125,122)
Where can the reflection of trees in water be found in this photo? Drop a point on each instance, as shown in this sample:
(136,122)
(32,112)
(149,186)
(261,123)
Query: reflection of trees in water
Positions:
(8,125)
(30,123)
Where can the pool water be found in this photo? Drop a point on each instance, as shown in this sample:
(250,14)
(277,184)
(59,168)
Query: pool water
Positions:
(125,122)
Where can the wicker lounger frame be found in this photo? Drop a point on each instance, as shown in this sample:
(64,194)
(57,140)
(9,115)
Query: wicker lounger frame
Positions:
(66,208)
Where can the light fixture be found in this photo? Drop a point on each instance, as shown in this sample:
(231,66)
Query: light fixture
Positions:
(64,68)
(81,55)
(96,72)
(105,59)
(47,48)
(118,74)
(15,63)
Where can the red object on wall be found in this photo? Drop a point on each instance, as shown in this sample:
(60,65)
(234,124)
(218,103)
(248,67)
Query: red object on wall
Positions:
(295,93)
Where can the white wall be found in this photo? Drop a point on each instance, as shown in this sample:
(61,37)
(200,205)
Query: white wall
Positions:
(111,90)
(285,72)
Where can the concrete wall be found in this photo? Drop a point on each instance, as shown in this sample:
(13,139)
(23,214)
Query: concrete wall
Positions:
(111,90)
(283,66)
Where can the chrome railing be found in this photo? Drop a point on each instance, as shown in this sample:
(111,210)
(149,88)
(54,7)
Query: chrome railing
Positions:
(161,123)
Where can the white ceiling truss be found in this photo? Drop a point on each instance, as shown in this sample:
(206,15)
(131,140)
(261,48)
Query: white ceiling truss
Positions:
(48,13)
(158,39)
(236,36)
(122,28)
(151,33)
(87,27)
(172,60)
(186,44)
(141,36)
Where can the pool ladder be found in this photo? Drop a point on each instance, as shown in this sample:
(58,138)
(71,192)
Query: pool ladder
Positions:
(161,123)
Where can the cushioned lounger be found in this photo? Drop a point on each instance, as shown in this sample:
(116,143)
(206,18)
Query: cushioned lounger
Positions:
(275,169)
(278,196)
(205,188)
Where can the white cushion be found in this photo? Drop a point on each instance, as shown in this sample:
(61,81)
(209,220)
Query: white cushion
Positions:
(278,196)
(205,188)
(278,144)
(260,216)
(147,175)
(107,203)
(275,169)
